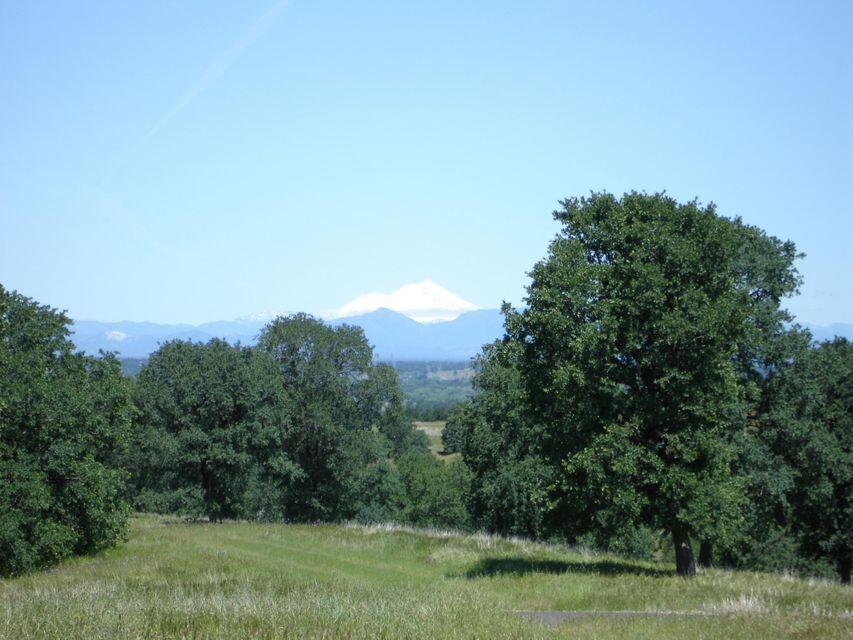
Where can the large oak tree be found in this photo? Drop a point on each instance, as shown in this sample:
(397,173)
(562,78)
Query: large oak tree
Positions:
(630,340)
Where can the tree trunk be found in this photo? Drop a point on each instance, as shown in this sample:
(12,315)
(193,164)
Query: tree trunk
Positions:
(706,554)
(844,568)
(685,566)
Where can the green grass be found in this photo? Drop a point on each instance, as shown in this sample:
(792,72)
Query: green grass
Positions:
(244,580)
(433,431)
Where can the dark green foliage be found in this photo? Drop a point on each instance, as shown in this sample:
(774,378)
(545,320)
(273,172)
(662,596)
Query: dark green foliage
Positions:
(379,495)
(618,395)
(434,491)
(652,388)
(211,432)
(383,398)
(798,461)
(652,383)
(453,434)
(432,413)
(628,338)
(794,455)
(346,414)
(301,427)
(500,444)
(64,420)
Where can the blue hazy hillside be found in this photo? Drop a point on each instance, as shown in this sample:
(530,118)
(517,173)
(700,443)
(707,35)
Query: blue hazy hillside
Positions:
(393,335)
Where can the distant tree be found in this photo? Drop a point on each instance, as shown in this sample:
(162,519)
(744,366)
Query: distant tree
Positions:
(212,433)
(455,429)
(797,459)
(632,325)
(335,397)
(64,421)
(500,444)
(372,488)
(434,491)
(381,400)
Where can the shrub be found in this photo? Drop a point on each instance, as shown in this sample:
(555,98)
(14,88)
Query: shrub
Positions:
(434,491)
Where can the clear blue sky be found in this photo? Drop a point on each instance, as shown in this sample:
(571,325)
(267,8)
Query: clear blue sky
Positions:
(192,161)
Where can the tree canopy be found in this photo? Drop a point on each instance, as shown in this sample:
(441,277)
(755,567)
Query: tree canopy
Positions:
(635,391)
(347,413)
(64,424)
(797,463)
(300,427)
(628,339)
(212,431)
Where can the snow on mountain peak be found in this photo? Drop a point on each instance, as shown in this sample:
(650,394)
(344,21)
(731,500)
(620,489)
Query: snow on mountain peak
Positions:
(422,301)
(261,316)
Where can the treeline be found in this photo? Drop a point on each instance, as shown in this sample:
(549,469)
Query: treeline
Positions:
(653,396)
(654,392)
(302,427)
(439,412)
(426,396)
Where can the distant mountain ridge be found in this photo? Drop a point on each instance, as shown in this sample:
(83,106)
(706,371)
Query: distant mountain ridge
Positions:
(393,335)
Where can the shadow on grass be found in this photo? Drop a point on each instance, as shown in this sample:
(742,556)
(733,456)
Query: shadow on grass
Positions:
(524,566)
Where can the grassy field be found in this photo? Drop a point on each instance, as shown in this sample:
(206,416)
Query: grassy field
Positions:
(433,431)
(243,580)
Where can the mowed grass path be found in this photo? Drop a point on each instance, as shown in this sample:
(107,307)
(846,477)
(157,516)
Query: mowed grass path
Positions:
(245,580)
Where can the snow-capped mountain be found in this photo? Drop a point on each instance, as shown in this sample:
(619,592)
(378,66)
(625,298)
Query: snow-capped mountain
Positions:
(421,301)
